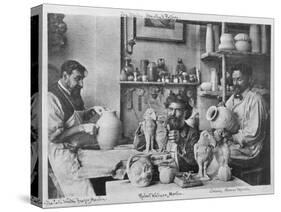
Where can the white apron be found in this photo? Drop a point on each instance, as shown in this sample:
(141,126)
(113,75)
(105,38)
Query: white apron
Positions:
(66,166)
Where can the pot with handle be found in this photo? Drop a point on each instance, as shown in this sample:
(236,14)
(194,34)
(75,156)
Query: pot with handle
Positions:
(109,131)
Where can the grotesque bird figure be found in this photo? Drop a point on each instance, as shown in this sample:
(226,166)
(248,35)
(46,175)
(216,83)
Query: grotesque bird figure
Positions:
(149,127)
(203,152)
(161,132)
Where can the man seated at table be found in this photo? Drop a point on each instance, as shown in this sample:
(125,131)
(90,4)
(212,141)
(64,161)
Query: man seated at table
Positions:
(65,121)
(252,113)
(180,133)
(181,137)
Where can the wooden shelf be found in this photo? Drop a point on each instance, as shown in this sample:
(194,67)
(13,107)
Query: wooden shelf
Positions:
(212,94)
(158,83)
(229,53)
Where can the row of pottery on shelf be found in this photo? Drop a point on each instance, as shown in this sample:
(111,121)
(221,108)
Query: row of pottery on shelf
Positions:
(242,42)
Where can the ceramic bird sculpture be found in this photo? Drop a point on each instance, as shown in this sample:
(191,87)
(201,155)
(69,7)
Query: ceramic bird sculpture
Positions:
(149,127)
(203,152)
(161,132)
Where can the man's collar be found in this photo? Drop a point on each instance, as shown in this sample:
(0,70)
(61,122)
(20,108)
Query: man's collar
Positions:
(64,88)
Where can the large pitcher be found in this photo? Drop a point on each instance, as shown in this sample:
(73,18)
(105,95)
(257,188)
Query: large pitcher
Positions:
(222,118)
(109,130)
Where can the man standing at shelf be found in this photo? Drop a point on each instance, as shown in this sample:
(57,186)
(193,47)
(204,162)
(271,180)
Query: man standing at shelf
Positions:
(252,113)
(66,119)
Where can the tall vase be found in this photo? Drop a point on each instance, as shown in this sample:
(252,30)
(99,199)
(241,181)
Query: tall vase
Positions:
(264,47)
(216,30)
(255,38)
(214,79)
(109,130)
(209,38)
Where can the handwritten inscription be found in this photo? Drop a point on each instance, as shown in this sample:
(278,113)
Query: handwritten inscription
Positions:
(224,190)
(159,195)
(74,201)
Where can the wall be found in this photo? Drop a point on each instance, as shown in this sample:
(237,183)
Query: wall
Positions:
(152,50)
(95,43)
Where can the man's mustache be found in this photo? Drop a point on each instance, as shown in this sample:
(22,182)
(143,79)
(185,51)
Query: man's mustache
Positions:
(173,122)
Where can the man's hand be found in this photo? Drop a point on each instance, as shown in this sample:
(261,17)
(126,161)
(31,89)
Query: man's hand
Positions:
(98,109)
(89,128)
(174,136)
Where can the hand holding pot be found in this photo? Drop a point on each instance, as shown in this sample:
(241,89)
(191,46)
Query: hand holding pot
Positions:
(89,128)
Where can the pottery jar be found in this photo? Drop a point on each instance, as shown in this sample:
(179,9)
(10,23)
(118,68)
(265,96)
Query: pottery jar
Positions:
(226,42)
(224,173)
(242,45)
(152,72)
(222,118)
(167,174)
(109,130)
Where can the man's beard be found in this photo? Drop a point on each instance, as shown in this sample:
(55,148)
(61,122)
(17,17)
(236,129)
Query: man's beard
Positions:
(76,91)
(237,89)
(174,123)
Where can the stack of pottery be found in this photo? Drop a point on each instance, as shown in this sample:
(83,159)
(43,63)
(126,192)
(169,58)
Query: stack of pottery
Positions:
(242,42)
(227,42)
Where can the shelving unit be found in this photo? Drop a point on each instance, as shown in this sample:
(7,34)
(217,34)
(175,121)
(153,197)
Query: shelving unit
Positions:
(158,83)
(213,93)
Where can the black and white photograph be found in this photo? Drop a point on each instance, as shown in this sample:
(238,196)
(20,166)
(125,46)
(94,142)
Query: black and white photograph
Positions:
(141,106)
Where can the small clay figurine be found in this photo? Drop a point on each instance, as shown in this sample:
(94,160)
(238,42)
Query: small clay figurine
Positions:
(222,154)
(149,127)
(161,132)
(203,152)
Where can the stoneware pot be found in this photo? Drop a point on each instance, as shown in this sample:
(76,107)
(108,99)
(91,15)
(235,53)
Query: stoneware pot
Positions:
(226,42)
(109,130)
(242,45)
(222,118)
(140,170)
(167,174)
(206,86)
(224,173)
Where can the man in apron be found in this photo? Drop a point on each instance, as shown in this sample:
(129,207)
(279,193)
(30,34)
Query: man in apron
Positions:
(65,121)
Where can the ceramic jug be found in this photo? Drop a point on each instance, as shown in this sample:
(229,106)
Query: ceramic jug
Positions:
(222,118)
(109,130)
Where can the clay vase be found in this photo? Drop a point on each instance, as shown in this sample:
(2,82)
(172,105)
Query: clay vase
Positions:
(128,67)
(255,38)
(152,72)
(209,38)
(264,45)
(227,42)
(139,170)
(222,118)
(167,174)
(242,45)
(109,130)
(216,31)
